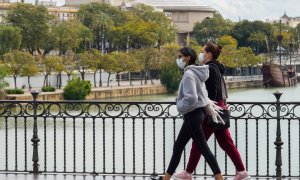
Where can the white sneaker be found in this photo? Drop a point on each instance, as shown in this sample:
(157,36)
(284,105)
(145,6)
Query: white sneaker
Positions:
(242,175)
(183,175)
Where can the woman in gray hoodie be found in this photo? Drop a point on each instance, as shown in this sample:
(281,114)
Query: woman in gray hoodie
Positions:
(191,102)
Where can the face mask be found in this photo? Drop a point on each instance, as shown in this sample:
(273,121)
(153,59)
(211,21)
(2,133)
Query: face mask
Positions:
(180,63)
(201,57)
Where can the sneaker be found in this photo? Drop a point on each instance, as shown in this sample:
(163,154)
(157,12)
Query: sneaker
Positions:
(242,175)
(183,175)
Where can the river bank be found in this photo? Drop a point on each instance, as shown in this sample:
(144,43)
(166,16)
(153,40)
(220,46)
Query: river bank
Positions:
(133,90)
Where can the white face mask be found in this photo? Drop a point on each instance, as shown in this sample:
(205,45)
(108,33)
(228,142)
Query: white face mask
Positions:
(180,63)
(201,57)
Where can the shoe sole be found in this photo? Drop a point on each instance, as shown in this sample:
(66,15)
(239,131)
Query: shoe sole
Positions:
(247,178)
(179,178)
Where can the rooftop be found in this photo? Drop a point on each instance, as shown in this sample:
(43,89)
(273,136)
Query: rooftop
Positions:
(190,5)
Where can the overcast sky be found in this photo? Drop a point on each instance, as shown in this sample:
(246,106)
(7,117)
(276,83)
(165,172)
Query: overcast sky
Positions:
(246,9)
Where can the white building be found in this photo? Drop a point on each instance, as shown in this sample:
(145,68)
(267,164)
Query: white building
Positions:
(290,21)
(79,2)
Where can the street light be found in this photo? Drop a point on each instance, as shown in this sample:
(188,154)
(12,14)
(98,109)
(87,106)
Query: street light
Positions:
(279,38)
(127,45)
(102,44)
(290,52)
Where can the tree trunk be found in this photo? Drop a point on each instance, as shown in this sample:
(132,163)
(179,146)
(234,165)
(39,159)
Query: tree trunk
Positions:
(82,75)
(141,76)
(146,76)
(15,81)
(95,84)
(119,76)
(57,81)
(60,81)
(130,81)
(29,85)
(45,80)
(100,79)
(108,79)
(150,77)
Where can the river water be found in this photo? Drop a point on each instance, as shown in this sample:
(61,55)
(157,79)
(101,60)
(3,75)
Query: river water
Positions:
(249,95)
(244,95)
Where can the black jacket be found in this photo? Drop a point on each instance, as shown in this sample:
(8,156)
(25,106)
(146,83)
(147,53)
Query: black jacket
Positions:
(213,83)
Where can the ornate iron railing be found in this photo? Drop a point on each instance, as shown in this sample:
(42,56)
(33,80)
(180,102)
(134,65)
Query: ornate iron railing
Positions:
(137,137)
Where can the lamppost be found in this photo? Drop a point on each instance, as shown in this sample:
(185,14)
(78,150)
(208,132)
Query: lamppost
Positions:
(290,52)
(127,44)
(102,44)
(279,38)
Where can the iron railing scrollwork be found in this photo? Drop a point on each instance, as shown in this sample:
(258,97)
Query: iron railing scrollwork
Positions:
(100,137)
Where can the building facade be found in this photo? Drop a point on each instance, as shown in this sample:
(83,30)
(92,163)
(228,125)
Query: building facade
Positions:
(60,12)
(63,13)
(4,7)
(184,15)
(290,21)
(79,2)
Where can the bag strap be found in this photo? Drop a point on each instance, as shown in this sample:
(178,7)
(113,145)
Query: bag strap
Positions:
(223,85)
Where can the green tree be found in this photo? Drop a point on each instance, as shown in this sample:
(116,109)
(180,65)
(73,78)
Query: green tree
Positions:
(16,61)
(121,63)
(243,30)
(77,89)
(210,29)
(148,58)
(69,64)
(229,50)
(169,53)
(132,65)
(10,39)
(69,35)
(170,77)
(159,27)
(33,22)
(3,83)
(258,38)
(109,63)
(49,65)
(95,63)
(99,18)
(29,70)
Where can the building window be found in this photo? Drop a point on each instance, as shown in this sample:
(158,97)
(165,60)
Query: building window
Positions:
(181,17)
(168,14)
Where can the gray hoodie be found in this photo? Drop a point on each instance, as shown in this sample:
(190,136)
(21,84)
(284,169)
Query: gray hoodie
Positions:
(192,92)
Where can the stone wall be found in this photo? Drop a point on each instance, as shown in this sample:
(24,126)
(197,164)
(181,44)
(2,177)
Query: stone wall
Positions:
(244,84)
(98,93)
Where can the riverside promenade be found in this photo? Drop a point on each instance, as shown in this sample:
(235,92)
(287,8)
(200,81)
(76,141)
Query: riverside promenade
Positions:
(137,88)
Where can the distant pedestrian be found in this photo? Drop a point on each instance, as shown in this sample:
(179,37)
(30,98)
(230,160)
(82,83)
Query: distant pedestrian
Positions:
(209,56)
(191,102)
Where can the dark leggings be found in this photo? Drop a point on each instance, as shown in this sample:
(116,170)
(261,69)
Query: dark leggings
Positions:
(192,128)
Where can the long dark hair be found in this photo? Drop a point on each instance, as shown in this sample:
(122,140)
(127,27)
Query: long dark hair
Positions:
(186,51)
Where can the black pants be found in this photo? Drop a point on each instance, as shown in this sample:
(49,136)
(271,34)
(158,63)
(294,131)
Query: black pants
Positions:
(192,128)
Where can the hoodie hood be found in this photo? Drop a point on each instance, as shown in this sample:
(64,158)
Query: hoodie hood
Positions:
(192,92)
(220,66)
(202,72)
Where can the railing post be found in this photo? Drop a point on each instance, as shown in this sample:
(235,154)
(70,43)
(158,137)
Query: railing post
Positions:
(278,141)
(35,139)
